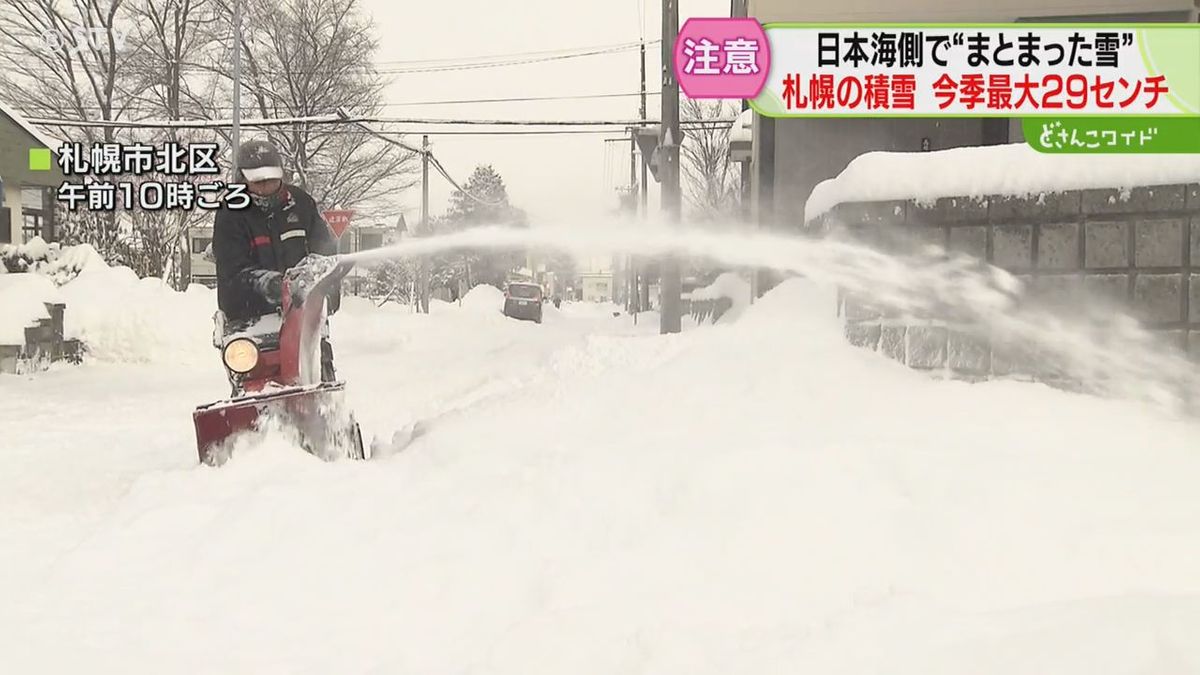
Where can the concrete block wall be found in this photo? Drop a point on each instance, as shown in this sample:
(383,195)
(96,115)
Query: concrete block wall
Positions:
(1138,249)
(44,344)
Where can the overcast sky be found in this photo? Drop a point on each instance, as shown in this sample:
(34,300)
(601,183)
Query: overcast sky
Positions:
(555,178)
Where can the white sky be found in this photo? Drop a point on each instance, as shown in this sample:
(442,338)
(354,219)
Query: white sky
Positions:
(555,178)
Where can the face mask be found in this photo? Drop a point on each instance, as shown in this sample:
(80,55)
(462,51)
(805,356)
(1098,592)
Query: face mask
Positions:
(265,202)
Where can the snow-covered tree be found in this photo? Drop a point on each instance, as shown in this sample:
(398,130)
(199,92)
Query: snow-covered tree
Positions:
(482,201)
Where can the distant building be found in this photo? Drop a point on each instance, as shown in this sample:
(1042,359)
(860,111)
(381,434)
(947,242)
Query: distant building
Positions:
(27,192)
(204,271)
(596,279)
(596,287)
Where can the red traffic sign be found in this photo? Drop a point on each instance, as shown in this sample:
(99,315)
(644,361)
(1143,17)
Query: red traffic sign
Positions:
(339,221)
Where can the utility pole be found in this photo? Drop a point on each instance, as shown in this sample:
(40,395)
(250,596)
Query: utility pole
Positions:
(631,286)
(643,287)
(423,269)
(235,136)
(738,9)
(670,320)
(642,114)
(640,287)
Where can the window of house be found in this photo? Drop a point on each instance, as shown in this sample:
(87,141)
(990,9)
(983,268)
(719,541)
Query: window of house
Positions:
(31,224)
(369,240)
(34,213)
(200,243)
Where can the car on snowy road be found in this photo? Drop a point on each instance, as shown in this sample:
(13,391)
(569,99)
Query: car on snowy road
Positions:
(523,301)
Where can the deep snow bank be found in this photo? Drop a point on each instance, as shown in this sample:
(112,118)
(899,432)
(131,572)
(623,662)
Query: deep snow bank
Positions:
(484,299)
(1015,169)
(764,498)
(122,318)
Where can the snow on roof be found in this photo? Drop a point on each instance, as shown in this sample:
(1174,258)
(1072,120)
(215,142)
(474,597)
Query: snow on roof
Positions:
(1015,170)
(40,136)
(743,127)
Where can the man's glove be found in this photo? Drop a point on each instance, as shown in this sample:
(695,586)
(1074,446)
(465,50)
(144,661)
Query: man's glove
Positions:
(270,285)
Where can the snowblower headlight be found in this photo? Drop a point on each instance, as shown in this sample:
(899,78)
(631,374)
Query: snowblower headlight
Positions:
(241,355)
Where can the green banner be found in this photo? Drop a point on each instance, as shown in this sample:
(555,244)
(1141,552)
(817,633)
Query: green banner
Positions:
(1107,135)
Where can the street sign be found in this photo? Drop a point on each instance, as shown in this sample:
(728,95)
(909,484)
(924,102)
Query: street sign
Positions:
(338,221)
(647,138)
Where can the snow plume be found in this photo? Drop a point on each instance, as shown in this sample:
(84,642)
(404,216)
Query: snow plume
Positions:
(1106,353)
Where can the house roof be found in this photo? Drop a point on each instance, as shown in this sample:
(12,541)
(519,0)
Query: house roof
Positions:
(37,134)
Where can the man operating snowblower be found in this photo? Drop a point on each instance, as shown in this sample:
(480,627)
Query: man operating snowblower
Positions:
(278,277)
(255,246)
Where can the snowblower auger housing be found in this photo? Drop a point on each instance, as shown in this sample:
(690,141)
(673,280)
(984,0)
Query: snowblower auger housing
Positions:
(273,364)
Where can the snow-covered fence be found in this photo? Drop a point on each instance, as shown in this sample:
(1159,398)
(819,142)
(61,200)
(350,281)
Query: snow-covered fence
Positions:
(727,292)
(1122,233)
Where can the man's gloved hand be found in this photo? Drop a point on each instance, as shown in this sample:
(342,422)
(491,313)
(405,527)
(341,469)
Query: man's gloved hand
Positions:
(270,284)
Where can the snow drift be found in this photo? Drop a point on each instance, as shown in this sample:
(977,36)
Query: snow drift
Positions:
(484,299)
(757,498)
(122,318)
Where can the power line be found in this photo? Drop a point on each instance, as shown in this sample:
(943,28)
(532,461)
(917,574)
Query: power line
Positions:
(336,119)
(434,161)
(459,60)
(512,54)
(517,99)
(511,99)
(192,67)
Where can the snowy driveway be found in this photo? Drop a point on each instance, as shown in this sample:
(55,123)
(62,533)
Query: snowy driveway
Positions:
(594,498)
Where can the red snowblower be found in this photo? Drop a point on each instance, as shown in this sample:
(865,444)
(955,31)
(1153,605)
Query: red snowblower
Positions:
(273,364)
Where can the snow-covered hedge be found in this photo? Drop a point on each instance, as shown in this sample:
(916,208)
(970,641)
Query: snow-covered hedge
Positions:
(60,264)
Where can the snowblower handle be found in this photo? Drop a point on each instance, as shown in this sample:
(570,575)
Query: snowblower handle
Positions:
(312,273)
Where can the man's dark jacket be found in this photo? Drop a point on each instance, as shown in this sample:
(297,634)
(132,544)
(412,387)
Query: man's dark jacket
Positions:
(247,242)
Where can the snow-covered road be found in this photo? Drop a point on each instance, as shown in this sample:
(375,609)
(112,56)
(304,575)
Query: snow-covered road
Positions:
(752,497)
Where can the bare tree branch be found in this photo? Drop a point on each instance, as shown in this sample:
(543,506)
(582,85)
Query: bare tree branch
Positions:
(711,178)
